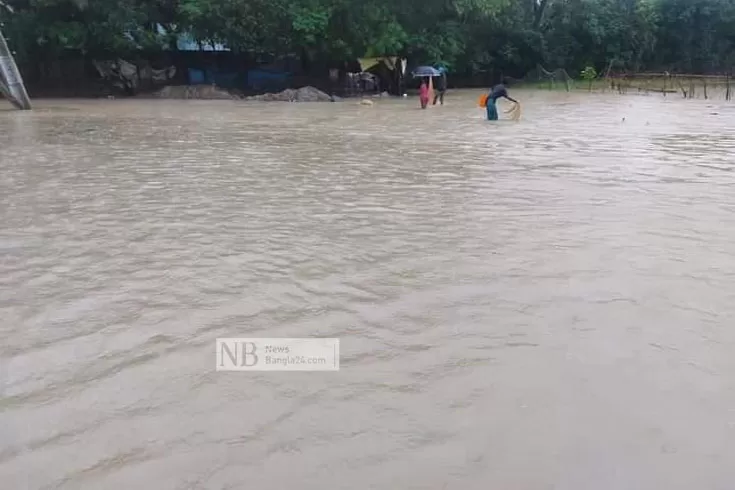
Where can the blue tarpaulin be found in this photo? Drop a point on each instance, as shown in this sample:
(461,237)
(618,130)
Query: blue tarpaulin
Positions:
(261,79)
(208,77)
(198,77)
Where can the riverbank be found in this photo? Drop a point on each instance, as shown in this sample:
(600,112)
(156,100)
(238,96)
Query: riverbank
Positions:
(714,92)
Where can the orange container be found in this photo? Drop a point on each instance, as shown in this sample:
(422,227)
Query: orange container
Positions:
(482,101)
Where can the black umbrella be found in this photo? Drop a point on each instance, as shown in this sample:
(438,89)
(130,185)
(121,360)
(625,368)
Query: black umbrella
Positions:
(426,71)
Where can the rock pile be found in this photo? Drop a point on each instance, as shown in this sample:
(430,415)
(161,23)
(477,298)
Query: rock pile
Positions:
(202,92)
(304,94)
(210,92)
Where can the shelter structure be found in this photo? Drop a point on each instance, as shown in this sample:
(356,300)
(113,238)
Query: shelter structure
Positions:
(380,73)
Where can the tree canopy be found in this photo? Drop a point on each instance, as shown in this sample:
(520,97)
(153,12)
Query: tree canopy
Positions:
(468,36)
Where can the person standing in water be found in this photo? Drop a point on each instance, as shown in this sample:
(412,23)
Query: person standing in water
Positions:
(441,87)
(424,94)
(497,92)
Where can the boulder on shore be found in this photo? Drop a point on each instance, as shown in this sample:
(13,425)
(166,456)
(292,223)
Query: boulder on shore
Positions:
(304,94)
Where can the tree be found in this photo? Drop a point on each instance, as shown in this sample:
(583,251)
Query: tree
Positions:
(485,37)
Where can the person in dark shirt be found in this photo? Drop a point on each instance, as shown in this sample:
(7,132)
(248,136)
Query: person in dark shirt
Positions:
(441,87)
(497,92)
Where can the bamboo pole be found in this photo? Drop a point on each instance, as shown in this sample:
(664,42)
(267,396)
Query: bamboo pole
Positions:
(10,78)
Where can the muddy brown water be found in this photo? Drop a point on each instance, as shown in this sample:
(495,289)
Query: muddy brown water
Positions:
(548,304)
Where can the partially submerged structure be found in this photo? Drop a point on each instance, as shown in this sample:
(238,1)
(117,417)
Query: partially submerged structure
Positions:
(11,82)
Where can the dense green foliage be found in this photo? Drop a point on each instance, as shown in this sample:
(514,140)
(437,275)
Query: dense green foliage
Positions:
(589,74)
(469,36)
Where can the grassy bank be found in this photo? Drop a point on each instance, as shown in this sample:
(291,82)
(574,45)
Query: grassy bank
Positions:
(685,86)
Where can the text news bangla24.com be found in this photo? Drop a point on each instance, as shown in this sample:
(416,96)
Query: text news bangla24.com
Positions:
(308,354)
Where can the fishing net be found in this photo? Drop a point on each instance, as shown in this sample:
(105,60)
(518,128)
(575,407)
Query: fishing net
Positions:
(555,79)
(514,112)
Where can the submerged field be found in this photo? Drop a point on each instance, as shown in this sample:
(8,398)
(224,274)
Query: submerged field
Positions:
(547,303)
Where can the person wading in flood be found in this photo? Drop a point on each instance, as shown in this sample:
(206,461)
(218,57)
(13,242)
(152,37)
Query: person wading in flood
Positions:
(497,92)
(424,94)
(441,87)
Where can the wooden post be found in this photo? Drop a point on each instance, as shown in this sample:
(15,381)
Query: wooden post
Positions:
(704,82)
(10,78)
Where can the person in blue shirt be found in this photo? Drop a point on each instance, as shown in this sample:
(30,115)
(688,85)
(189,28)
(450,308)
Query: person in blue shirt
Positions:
(497,92)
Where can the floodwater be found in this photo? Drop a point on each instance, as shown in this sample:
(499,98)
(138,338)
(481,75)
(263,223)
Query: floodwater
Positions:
(547,304)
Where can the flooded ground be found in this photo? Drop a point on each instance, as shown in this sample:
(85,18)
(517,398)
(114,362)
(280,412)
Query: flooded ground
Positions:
(548,304)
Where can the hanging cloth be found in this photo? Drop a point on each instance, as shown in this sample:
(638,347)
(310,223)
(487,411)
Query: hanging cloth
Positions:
(367,63)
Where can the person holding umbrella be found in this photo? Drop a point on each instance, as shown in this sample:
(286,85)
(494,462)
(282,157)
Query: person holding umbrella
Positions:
(426,89)
(424,94)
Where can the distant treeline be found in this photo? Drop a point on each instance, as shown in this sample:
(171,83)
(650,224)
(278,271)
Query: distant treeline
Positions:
(470,37)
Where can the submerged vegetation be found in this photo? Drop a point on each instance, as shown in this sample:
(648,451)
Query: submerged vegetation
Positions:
(471,37)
